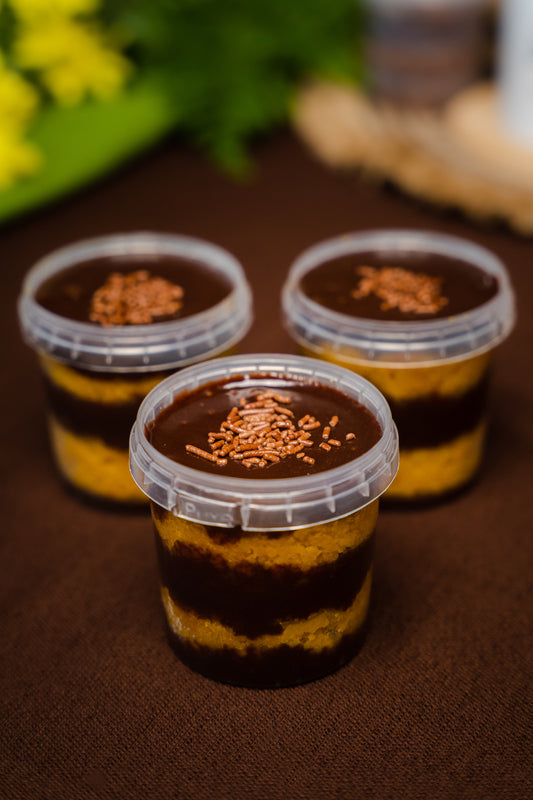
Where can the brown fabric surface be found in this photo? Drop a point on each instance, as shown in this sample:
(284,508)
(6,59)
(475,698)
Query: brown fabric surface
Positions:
(93,702)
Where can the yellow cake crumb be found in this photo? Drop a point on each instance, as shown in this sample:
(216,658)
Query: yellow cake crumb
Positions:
(320,631)
(408,381)
(304,547)
(437,470)
(90,465)
(429,471)
(88,386)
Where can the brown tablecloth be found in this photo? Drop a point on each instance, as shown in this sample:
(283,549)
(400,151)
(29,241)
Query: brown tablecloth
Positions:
(95,704)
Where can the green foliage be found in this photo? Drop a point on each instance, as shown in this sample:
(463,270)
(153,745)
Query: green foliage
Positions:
(232,66)
(85,142)
(218,71)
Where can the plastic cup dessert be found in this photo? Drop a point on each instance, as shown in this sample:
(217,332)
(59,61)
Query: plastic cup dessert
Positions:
(419,315)
(264,473)
(109,318)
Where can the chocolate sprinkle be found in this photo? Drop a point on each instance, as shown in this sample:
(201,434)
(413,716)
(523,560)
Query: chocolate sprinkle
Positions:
(260,431)
(135,298)
(401,288)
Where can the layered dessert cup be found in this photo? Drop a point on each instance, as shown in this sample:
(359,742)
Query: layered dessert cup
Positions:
(111,317)
(419,315)
(264,474)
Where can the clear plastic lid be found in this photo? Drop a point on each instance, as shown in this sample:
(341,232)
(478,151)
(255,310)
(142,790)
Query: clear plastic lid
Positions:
(264,504)
(132,348)
(318,328)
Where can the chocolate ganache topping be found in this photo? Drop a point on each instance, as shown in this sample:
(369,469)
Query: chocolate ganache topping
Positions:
(135,298)
(399,286)
(261,427)
(133,290)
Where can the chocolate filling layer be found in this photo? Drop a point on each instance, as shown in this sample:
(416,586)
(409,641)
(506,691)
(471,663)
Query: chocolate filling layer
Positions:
(426,422)
(108,422)
(253,600)
(276,667)
(435,420)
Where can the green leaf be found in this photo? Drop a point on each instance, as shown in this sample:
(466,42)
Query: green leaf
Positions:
(84,143)
(234,65)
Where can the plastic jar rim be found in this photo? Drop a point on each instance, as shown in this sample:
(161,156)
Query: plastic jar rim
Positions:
(158,346)
(261,503)
(426,341)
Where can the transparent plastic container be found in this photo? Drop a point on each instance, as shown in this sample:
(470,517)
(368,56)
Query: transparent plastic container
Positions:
(97,376)
(434,373)
(257,540)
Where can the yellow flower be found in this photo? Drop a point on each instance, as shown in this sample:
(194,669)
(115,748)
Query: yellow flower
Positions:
(73,59)
(18,102)
(18,99)
(18,158)
(69,57)
(33,9)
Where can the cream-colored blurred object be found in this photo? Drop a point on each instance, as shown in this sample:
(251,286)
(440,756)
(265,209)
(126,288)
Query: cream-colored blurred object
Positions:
(474,123)
(459,157)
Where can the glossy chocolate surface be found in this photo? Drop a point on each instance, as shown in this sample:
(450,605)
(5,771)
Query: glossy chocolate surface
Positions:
(331,284)
(192,416)
(69,292)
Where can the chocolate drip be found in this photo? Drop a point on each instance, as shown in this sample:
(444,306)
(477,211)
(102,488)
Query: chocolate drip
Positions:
(254,600)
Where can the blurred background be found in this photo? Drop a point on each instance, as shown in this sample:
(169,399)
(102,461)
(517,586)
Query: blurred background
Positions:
(85,84)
